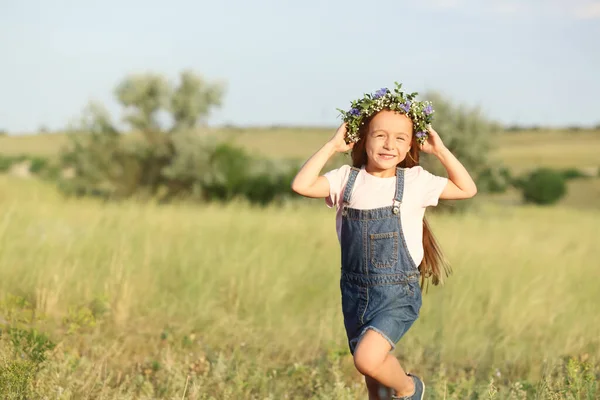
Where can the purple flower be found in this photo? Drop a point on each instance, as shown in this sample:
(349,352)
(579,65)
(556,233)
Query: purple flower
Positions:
(380,93)
(421,135)
(355,111)
(405,106)
(428,110)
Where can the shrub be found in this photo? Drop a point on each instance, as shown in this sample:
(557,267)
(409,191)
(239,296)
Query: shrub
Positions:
(270,185)
(229,172)
(6,162)
(38,164)
(543,186)
(235,174)
(30,344)
(572,173)
(494,180)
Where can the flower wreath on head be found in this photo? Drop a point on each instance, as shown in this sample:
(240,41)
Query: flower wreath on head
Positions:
(420,112)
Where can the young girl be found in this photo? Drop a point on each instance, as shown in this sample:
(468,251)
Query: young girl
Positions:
(380,202)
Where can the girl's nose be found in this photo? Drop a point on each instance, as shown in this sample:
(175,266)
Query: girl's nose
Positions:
(389,144)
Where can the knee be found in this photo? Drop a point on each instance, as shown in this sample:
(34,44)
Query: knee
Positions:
(366,363)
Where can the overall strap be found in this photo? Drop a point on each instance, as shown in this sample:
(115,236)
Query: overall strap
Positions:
(399,190)
(349,185)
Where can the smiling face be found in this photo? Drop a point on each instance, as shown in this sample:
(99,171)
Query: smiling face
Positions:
(388,140)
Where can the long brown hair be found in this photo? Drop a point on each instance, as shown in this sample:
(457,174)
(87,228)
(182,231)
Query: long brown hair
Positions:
(434,262)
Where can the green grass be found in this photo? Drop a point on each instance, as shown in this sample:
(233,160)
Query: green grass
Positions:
(128,300)
(228,302)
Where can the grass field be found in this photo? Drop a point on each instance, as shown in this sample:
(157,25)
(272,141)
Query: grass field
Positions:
(140,301)
(229,302)
(529,150)
(519,150)
(44,145)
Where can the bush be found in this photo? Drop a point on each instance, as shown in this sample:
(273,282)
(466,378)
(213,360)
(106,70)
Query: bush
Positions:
(229,172)
(6,162)
(269,186)
(38,164)
(572,173)
(51,172)
(192,166)
(234,174)
(543,186)
(494,180)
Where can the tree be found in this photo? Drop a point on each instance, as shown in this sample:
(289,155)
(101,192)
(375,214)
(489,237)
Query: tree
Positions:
(192,99)
(467,133)
(109,163)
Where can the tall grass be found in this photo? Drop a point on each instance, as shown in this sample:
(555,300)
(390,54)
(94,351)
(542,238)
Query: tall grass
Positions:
(219,302)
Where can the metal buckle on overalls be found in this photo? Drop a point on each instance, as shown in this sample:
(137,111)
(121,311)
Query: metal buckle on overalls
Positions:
(396,207)
(344,210)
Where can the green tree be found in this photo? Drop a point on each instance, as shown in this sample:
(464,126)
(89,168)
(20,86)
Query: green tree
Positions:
(191,101)
(468,134)
(108,162)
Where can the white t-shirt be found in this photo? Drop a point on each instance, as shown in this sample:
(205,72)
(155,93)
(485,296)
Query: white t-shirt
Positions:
(421,190)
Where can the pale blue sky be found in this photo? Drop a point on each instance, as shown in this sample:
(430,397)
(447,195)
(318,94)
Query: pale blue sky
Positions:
(295,62)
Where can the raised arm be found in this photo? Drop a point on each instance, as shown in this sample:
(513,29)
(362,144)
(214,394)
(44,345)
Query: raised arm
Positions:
(307,182)
(460,184)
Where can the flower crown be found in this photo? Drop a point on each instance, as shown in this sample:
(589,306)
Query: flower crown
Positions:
(420,112)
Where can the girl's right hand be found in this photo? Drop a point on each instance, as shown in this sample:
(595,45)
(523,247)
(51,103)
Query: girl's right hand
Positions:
(307,181)
(338,140)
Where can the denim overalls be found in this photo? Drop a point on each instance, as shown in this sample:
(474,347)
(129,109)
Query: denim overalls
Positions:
(379,280)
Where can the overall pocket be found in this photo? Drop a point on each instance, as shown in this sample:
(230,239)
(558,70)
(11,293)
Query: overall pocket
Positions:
(384,249)
(354,304)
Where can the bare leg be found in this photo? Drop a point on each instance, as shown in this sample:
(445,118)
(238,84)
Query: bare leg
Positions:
(373,388)
(377,391)
(372,359)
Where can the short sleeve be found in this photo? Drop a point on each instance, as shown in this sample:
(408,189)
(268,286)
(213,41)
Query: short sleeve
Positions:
(337,179)
(431,187)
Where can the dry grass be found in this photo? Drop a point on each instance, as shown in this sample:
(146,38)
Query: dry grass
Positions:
(44,145)
(530,150)
(236,302)
(223,302)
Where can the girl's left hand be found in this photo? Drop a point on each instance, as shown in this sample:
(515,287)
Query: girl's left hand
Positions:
(434,143)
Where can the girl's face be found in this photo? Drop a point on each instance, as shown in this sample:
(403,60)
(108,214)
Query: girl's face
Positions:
(387,141)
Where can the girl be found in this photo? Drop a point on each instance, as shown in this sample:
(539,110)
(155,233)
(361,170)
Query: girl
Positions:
(380,202)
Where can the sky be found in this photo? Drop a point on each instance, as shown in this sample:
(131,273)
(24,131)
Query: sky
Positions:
(283,62)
